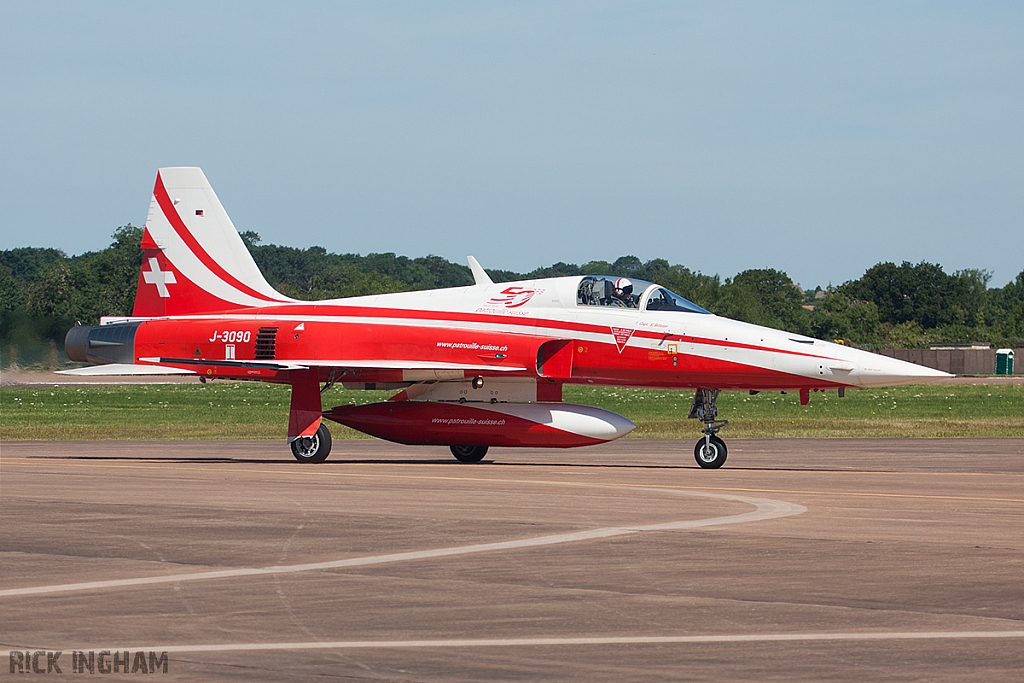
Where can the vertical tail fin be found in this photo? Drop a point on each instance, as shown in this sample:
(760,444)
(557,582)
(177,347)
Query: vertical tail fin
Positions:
(193,259)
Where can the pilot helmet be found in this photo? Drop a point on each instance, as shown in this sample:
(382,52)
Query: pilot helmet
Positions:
(623,288)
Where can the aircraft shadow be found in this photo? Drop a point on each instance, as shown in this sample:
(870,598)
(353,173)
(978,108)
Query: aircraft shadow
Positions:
(442,461)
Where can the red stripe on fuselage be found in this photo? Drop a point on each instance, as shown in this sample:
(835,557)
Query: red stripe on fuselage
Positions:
(322,310)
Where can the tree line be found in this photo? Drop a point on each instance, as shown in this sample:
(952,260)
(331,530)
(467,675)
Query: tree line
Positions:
(43,292)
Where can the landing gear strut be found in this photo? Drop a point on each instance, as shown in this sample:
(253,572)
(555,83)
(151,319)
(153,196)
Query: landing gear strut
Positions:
(710,452)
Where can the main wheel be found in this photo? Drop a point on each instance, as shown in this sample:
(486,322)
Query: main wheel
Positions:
(314,448)
(711,455)
(469,453)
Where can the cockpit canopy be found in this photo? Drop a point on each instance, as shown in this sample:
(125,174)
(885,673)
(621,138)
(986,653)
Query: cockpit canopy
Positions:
(618,292)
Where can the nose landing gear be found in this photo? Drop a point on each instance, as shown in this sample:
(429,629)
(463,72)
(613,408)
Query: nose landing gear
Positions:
(710,452)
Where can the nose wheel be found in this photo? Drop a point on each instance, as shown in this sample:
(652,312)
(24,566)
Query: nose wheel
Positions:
(710,452)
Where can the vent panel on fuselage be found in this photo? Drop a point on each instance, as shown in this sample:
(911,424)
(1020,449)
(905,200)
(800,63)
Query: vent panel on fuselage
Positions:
(266,343)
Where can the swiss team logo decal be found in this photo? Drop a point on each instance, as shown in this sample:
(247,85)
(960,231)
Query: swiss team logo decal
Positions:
(514,297)
(622,335)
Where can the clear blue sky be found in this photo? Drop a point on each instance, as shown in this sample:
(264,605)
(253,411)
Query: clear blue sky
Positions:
(817,138)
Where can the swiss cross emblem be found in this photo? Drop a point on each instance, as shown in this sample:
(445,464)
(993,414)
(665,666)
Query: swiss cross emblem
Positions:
(160,278)
(622,335)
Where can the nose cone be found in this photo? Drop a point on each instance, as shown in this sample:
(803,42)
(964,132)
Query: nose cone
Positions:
(873,370)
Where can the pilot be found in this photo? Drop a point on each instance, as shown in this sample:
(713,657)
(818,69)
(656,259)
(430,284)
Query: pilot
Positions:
(623,291)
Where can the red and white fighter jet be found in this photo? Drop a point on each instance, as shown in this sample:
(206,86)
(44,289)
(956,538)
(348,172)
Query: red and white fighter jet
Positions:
(473,366)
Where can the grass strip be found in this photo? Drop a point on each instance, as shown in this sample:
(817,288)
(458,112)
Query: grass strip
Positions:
(249,410)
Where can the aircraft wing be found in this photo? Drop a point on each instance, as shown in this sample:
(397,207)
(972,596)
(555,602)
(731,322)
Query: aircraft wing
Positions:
(165,366)
(409,365)
(362,363)
(115,369)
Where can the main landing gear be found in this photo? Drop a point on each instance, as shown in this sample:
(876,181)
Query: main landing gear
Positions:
(314,448)
(710,452)
(469,453)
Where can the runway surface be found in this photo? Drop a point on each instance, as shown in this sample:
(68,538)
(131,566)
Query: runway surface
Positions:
(856,559)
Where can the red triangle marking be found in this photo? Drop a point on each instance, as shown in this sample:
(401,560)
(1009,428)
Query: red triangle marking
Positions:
(622,335)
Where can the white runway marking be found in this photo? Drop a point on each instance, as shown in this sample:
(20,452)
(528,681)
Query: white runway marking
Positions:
(766,509)
(549,642)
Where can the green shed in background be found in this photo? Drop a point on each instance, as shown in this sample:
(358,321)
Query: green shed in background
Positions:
(1004,362)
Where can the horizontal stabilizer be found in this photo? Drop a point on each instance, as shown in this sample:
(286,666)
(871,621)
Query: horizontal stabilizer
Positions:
(124,369)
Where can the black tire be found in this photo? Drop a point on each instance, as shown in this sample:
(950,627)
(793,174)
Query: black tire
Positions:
(710,456)
(314,448)
(469,453)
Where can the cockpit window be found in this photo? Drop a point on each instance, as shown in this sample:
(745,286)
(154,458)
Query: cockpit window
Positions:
(617,292)
(620,292)
(663,300)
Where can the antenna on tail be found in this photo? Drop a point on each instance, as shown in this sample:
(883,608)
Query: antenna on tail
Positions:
(479,274)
